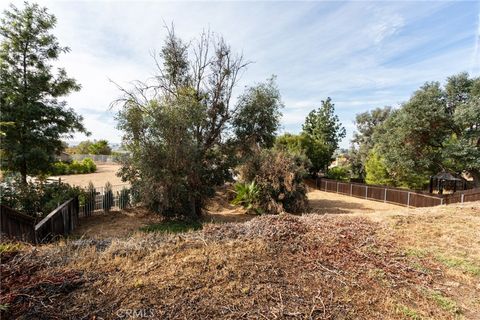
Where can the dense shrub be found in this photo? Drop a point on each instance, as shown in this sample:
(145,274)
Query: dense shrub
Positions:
(338,173)
(124,198)
(89,165)
(75,167)
(35,199)
(89,199)
(108,197)
(279,177)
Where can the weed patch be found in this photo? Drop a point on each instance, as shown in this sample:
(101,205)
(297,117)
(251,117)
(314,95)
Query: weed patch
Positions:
(444,302)
(172,226)
(460,263)
(408,313)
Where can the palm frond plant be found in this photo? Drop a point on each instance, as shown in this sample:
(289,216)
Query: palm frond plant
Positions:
(247,195)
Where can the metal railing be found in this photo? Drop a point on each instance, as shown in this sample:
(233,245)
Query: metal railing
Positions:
(100,158)
(117,197)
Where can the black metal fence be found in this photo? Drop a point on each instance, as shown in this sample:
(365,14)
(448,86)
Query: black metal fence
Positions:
(105,199)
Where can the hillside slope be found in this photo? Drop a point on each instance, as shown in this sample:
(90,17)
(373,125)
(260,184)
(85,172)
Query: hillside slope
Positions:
(408,264)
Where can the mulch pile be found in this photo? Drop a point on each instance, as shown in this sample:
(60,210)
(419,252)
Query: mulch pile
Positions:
(272,267)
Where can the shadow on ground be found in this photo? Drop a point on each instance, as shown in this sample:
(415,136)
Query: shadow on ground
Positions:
(323,206)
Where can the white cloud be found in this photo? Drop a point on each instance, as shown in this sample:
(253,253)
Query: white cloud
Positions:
(362,54)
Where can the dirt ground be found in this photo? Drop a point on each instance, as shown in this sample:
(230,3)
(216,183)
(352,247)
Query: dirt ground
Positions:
(410,264)
(114,224)
(118,224)
(105,173)
(332,203)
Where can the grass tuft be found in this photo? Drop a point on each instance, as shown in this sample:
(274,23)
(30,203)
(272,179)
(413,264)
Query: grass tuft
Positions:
(408,313)
(459,263)
(7,247)
(172,226)
(444,302)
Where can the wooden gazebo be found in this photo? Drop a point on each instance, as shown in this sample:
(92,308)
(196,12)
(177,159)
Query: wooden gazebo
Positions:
(446,181)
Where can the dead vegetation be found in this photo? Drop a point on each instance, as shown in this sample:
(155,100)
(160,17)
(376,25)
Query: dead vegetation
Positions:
(272,267)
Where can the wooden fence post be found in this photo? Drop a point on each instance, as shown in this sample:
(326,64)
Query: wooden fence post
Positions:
(337,186)
(462,197)
(326,184)
(408,200)
(366,192)
(351,188)
(385,196)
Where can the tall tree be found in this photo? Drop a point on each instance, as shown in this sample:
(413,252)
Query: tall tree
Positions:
(30,91)
(258,115)
(438,128)
(176,125)
(411,139)
(363,141)
(324,129)
(462,148)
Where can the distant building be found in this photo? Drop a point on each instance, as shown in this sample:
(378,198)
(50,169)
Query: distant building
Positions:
(341,160)
(64,157)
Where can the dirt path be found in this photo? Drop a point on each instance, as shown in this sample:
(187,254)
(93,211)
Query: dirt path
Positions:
(105,173)
(326,202)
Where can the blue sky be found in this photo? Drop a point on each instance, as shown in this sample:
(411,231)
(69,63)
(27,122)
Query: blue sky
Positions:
(362,54)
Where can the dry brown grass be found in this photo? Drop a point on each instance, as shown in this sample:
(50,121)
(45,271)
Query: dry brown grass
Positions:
(114,224)
(333,203)
(391,264)
(319,267)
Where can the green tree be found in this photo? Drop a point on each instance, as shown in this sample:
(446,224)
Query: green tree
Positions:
(176,126)
(411,139)
(462,148)
(293,143)
(83,147)
(363,139)
(92,147)
(30,91)
(100,147)
(325,131)
(436,129)
(376,170)
(258,115)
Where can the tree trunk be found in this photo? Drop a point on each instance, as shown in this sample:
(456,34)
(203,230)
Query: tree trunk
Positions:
(23,171)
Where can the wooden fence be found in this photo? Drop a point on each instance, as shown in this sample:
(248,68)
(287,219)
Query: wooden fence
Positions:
(61,221)
(402,197)
(463,196)
(17,225)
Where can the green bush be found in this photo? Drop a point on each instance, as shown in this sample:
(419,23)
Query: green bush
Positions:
(60,168)
(124,198)
(90,199)
(89,165)
(35,199)
(108,197)
(247,195)
(75,167)
(338,173)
